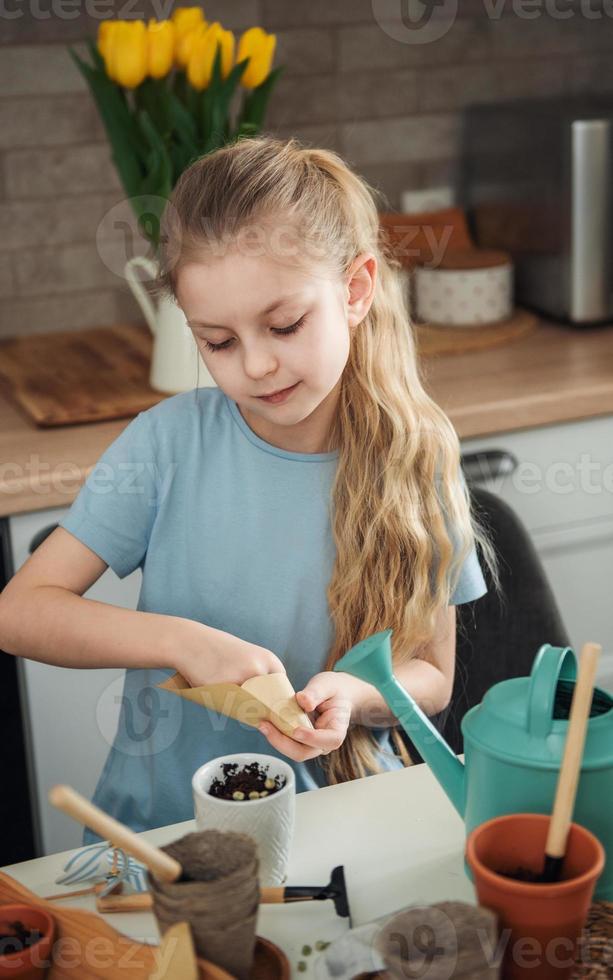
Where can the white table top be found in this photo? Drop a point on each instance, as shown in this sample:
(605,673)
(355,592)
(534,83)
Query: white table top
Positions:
(397,835)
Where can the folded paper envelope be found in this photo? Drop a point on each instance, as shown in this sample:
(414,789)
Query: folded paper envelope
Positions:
(266,697)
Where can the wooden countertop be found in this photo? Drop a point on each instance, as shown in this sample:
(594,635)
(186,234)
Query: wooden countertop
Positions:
(556,374)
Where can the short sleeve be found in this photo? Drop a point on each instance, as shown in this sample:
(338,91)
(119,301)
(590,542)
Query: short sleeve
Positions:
(115,508)
(471,583)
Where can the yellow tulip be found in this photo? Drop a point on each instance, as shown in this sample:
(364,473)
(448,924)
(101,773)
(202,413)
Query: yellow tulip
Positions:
(106,39)
(227,51)
(160,47)
(185,19)
(128,53)
(110,47)
(259,46)
(105,29)
(202,56)
(185,44)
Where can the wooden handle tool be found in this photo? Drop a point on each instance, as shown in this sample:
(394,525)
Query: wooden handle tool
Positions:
(570,770)
(143,901)
(335,890)
(161,865)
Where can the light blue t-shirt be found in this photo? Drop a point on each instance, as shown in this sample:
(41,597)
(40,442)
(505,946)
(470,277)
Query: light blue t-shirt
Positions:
(230,531)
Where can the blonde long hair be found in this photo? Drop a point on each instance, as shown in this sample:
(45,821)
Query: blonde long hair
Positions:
(400,515)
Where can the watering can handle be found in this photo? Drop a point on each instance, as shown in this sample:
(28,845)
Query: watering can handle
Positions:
(550,665)
(141,294)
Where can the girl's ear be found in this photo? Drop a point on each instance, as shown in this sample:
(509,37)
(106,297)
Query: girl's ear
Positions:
(360,285)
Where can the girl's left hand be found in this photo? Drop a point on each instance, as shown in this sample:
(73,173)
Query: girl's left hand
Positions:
(327,694)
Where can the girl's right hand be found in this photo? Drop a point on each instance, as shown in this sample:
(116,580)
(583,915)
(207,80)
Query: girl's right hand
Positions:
(204,655)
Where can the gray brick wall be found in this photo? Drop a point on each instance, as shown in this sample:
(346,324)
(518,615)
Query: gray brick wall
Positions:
(352,82)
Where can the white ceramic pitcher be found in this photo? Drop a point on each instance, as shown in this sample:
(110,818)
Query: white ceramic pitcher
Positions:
(176,364)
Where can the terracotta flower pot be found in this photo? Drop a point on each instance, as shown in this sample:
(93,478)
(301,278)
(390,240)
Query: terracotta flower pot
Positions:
(34,961)
(540,923)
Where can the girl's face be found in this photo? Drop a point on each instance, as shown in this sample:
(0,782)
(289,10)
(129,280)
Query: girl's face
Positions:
(253,350)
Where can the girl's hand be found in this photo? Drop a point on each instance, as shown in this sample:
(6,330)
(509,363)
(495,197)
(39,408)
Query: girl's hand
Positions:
(205,655)
(328,695)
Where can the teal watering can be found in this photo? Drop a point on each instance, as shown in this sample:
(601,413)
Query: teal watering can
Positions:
(513,742)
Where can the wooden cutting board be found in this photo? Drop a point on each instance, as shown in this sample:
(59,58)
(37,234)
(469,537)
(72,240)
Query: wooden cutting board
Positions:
(99,374)
(76,376)
(437,338)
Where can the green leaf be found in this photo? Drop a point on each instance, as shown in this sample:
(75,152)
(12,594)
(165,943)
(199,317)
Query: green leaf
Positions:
(157,183)
(216,73)
(127,147)
(180,85)
(153,96)
(183,146)
(149,218)
(175,127)
(209,113)
(216,103)
(215,90)
(95,55)
(183,123)
(234,77)
(228,89)
(255,105)
(192,102)
(245,129)
(158,179)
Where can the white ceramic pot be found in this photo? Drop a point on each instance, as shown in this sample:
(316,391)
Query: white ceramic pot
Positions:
(270,821)
(176,364)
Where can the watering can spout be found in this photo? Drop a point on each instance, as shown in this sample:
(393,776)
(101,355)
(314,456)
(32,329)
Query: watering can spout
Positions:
(371,661)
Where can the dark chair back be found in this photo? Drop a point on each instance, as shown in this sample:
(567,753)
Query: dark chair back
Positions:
(498,636)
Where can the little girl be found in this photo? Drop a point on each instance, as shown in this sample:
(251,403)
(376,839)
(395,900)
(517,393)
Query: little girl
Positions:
(309,500)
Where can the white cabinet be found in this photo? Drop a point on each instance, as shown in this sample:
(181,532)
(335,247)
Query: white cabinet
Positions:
(70,716)
(562,489)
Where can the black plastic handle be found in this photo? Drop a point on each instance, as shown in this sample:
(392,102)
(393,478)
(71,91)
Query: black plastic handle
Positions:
(489,464)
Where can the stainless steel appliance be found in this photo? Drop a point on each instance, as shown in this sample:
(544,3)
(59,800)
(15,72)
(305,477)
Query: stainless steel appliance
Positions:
(536,180)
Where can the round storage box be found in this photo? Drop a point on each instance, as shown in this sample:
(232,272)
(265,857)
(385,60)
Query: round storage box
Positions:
(466,288)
